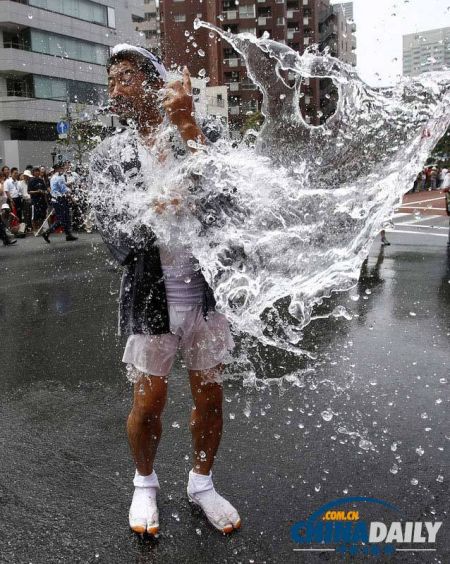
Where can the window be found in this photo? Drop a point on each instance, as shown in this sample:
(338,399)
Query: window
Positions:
(68,47)
(248,11)
(82,9)
(281,21)
(59,89)
(251,30)
(180,18)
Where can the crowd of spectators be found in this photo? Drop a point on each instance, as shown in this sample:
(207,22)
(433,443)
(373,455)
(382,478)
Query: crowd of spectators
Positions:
(37,201)
(432,178)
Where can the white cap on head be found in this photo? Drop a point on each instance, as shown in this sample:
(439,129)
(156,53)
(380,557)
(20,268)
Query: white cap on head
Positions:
(27,173)
(126,47)
(5,207)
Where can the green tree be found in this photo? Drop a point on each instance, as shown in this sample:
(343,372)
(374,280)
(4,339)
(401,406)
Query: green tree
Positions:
(253,121)
(441,153)
(85,132)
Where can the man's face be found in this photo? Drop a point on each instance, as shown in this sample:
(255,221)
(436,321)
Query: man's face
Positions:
(36,172)
(15,175)
(129,91)
(6,171)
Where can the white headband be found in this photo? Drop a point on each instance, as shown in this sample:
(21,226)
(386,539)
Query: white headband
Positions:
(146,54)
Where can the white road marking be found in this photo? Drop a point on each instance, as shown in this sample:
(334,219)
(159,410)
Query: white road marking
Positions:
(416,233)
(421,208)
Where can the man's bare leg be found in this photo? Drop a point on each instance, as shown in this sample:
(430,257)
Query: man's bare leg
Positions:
(206,428)
(206,417)
(144,433)
(144,422)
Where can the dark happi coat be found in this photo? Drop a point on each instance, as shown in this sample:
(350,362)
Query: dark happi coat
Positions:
(143,305)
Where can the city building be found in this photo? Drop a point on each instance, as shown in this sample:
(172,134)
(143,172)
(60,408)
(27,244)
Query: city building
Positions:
(426,51)
(210,100)
(149,29)
(297,23)
(347,8)
(52,61)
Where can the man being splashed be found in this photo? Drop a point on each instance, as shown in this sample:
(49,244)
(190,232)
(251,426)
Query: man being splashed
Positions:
(165,302)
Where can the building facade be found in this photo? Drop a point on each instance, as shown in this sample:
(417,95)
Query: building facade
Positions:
(426,51)
(150,29)
(52,61)
(297,23)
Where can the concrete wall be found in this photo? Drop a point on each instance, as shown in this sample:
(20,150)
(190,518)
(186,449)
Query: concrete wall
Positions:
(22,153)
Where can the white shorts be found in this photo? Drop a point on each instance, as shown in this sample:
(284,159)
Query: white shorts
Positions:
(204,344)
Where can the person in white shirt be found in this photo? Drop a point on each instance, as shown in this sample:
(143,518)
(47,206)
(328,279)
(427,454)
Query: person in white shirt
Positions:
(26,202)
(14,192)
(446,181)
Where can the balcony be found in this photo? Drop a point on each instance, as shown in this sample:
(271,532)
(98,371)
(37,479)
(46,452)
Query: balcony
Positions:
(234,110)
(231,15)
(232,61)
(247,84)
(234,86)
(262,20)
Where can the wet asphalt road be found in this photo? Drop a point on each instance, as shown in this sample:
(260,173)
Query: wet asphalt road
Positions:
(65,469)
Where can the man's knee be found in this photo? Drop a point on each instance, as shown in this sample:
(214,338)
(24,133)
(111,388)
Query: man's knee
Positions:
(149,398)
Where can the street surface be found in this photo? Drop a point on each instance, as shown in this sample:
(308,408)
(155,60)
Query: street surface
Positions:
(368,418)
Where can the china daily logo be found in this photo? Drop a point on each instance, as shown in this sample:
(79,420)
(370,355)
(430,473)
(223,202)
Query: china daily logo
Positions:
(346,532)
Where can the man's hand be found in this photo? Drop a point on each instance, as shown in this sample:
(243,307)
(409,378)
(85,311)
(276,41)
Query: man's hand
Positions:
(179,106)
(161,206)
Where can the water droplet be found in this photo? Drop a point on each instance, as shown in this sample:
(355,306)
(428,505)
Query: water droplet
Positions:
(368,292)
(232,416)
(187,33)
(198,531)
(175,425)
(202,72)
(201,53)
(438,401)
(394,469)
(424,415)
(440,479)
(30,16)
(176,516)
(394,447)
(443,381)
(412,314)
(202,454)
(365,444)
(317,487)
(420,451)
(327,415)
(414,481)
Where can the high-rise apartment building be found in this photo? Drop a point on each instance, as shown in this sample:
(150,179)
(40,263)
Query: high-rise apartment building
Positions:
(347,8)
(426,51)
(52,57)
(297,23)
(149,29)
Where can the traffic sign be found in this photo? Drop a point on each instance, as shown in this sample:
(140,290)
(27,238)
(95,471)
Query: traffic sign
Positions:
(62,127)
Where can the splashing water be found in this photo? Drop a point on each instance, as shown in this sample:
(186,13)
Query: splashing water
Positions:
(280,225)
